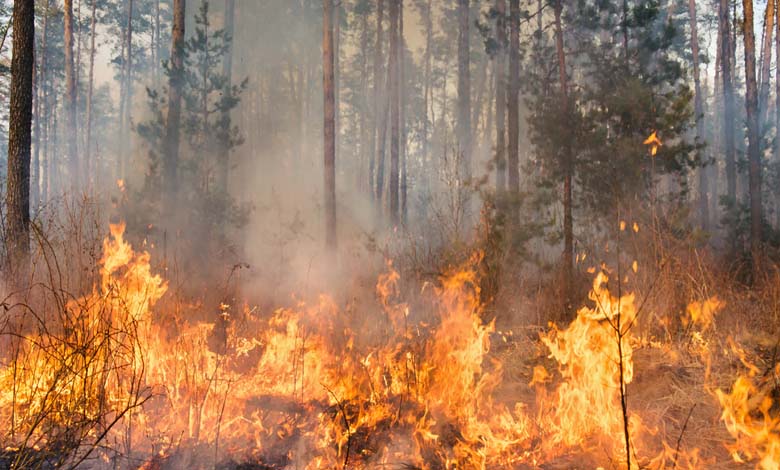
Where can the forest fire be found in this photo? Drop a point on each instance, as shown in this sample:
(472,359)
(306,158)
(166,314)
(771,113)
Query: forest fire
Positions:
(389,234)
(302,389)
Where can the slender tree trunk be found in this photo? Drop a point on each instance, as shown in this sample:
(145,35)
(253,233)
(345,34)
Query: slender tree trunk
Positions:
(330,124)
(227,71)
(394,112)
(754,155)
(704,204)
(365,151)
(128,79)
(427,92)
(19,138)
(374,156)
(89,164)
(39,163)
(71,99)
(157,61)
(728,100)
(513,104)
(464,91)
(173,121)
(766,64)
(568,165)
(402,104)
(777,105)
(501,96)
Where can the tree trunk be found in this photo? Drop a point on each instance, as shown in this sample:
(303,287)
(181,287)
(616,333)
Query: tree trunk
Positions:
(728,100)
(777,102)
(766,63)
(704,215)
(173,121)
(227,71)
(513,104)
(568,166)
(500,76)
(754,155)
(464,92)
(19,138)
(90,89)
(128,88)
(402,103)
(329,124)
(71,100)
(394,112)
(374,156)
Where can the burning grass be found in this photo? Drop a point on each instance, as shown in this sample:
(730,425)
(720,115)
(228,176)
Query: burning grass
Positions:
(122,377)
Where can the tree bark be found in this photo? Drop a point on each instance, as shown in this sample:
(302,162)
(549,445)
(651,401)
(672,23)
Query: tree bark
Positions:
(704,214)
(728,100)
(373,181)
(128,89)
(513,159)
(227,71)
(173,120)
(91,176)
(568,166)
(19,137)
(402,116)
(329,124)
(464,92)
(71,100)
(501,96)
(766,63)
(394,113)
(777,100)
(754,155)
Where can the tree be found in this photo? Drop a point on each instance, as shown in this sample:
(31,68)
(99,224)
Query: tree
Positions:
(513,110)
(501,96)
(88,163)
(704,205)
(568,164)
(373,179)
(71,99)
(754,155)
(227,71)
(394,112)
(173,119)
(329,124)
(464,91)
(19,132)
(727,59)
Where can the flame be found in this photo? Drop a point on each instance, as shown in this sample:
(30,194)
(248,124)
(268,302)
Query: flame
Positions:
(653,142)
(306,386)
(750,415)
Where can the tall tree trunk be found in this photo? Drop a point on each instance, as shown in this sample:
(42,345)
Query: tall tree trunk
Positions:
(394,112)
(19,128)
(329,123)
(728,100)
(500,76)
(513,104)
(464,91)
(777,105)
(71,99)
(568,165)
(374,156)
(227,71)
(365,150)
(173,121)
(766,64)
(704,204)
(156,64)
(128,88)
(754,155)
(427,92)
(402,104)
(89,164)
